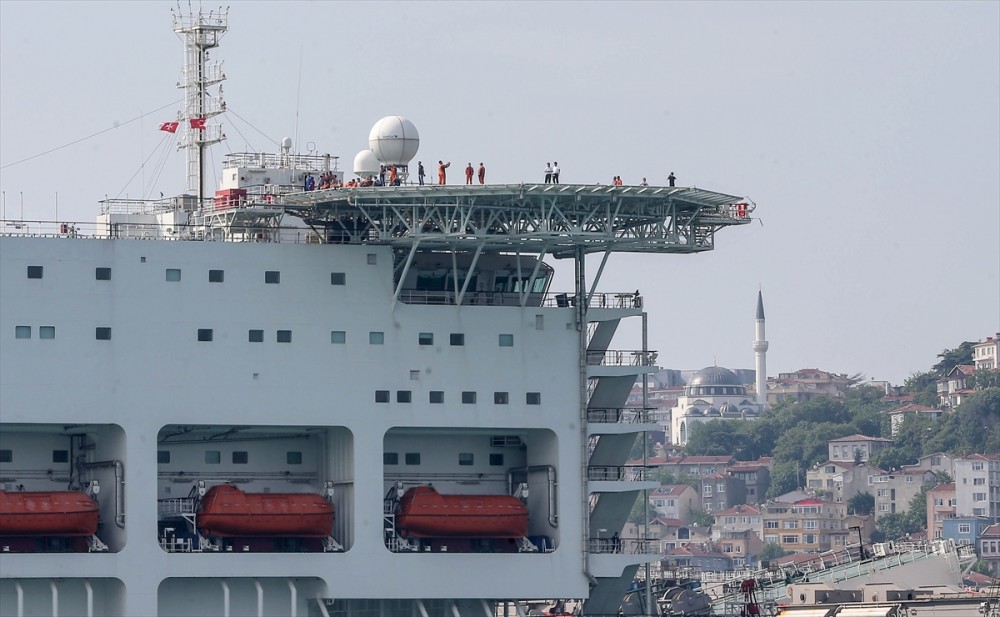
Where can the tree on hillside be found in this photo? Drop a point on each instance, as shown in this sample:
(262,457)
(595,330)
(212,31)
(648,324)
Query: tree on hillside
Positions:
(701,518)
(862,503)
(983,379)
(923,387)
(950,358)
(772,551)
(722,437)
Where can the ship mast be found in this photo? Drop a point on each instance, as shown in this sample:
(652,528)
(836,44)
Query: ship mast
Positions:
(199,78)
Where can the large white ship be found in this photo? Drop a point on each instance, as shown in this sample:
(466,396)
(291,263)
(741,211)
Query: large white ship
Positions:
(344,401)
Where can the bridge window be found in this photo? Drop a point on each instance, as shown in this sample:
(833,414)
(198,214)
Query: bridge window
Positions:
(381,396)
(60,456)
(425,338)
(376,338)
(102,334)
(216,276)
(205,335)
(468,398)
(284,336)
(506,340)
(390,458)
(437,397)
(22,331)
(412,458)
(500,398)
(6,456)
(403,396)
(102,274)
(338,337)
(533,398)
(46,332)
(293,458)
(241,457)
(496,459)
(173,275)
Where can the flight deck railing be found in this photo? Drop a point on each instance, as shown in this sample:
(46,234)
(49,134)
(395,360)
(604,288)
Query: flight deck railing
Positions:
(627,546)
(621,357)
(616,473)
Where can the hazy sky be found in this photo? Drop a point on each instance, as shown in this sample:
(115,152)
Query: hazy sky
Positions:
(868,133)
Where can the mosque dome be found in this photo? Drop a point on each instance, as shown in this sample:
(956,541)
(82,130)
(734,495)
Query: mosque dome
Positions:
(728,409)
(715,376)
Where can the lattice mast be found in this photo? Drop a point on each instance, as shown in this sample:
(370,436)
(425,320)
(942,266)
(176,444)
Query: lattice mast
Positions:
(201,81)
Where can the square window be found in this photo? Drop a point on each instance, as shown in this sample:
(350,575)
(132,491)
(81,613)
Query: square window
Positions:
(213,457)
(437,397)
(60,456)
(390,458)
(426,338)
(500,398)
(216,276)
(376,338)
(506,340)
(338,278)
(412,458)
(34,272)
(457,339)
(293,458)
(496,460)
(241,457)
(272,277)
(468,398)
(533,398)
(403,396)
(22,331)
(173,274)
(284,336)
(102,334)
(204,334)
(46,332)
(338,337)
(372,259)
(381,396)
(102,274)
(255,336)
(6,456)
(465,458)
(539,322)
(163,457)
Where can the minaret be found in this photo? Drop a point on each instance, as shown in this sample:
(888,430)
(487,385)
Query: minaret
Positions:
(760,354)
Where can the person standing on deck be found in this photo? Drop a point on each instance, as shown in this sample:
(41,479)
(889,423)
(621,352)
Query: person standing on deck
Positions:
(420,172)
(442,177)
(555,173)
(482,173)
(468,173)
(671,179)
(548,173)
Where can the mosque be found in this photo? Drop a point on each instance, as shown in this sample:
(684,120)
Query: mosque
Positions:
(717,393)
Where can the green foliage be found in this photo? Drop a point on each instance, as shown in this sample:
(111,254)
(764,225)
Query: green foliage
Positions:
(638,512)
(923,387)
(983,379)
(785,477)
(950,358)
(701,518)
(983,567)
(861,503)
(898,524)
(772,551)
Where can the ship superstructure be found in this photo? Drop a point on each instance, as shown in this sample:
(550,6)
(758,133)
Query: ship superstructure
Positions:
(342,401)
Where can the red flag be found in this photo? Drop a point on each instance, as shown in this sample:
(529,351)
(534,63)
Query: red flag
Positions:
(170,127)
(198,123)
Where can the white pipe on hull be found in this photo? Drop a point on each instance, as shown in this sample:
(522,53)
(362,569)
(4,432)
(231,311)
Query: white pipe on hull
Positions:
(55,598)
(260,598)
(90,598)
(295,598)
(20,598)
(225,598)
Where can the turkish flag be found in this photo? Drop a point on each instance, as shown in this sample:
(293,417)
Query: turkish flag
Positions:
(198,123)
(170,127)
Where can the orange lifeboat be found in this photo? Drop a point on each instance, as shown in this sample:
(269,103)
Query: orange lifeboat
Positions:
(48,513)
(226,511)
(425,513)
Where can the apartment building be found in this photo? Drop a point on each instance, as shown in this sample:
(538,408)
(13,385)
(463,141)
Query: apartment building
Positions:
(720,491)
(977,486)
(897,415)
(955,385)
(755,475)
(856,448)
(986,353)
(941,502)
(675,501)
(806,525)
(895,490)
(989,546)
(841,481)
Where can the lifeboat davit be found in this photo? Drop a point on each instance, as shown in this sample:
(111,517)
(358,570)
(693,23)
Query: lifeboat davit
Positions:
(48,513)
(225,511)
(425,513)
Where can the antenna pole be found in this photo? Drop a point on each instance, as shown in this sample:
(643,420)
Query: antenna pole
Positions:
(202,99)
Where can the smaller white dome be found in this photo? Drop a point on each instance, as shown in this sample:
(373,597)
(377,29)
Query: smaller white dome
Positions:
(366,164)
(286,143)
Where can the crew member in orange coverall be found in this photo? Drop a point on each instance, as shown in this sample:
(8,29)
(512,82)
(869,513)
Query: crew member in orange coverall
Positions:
(442,179)
(482,174)
(468,174)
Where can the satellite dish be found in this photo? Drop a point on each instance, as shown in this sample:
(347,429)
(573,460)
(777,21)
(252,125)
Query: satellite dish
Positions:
(394,140)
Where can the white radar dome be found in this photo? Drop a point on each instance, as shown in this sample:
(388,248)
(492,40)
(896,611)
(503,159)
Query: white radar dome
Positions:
(365,164)
(394,140)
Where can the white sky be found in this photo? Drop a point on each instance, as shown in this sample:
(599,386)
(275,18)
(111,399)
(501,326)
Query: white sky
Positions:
(868,133)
